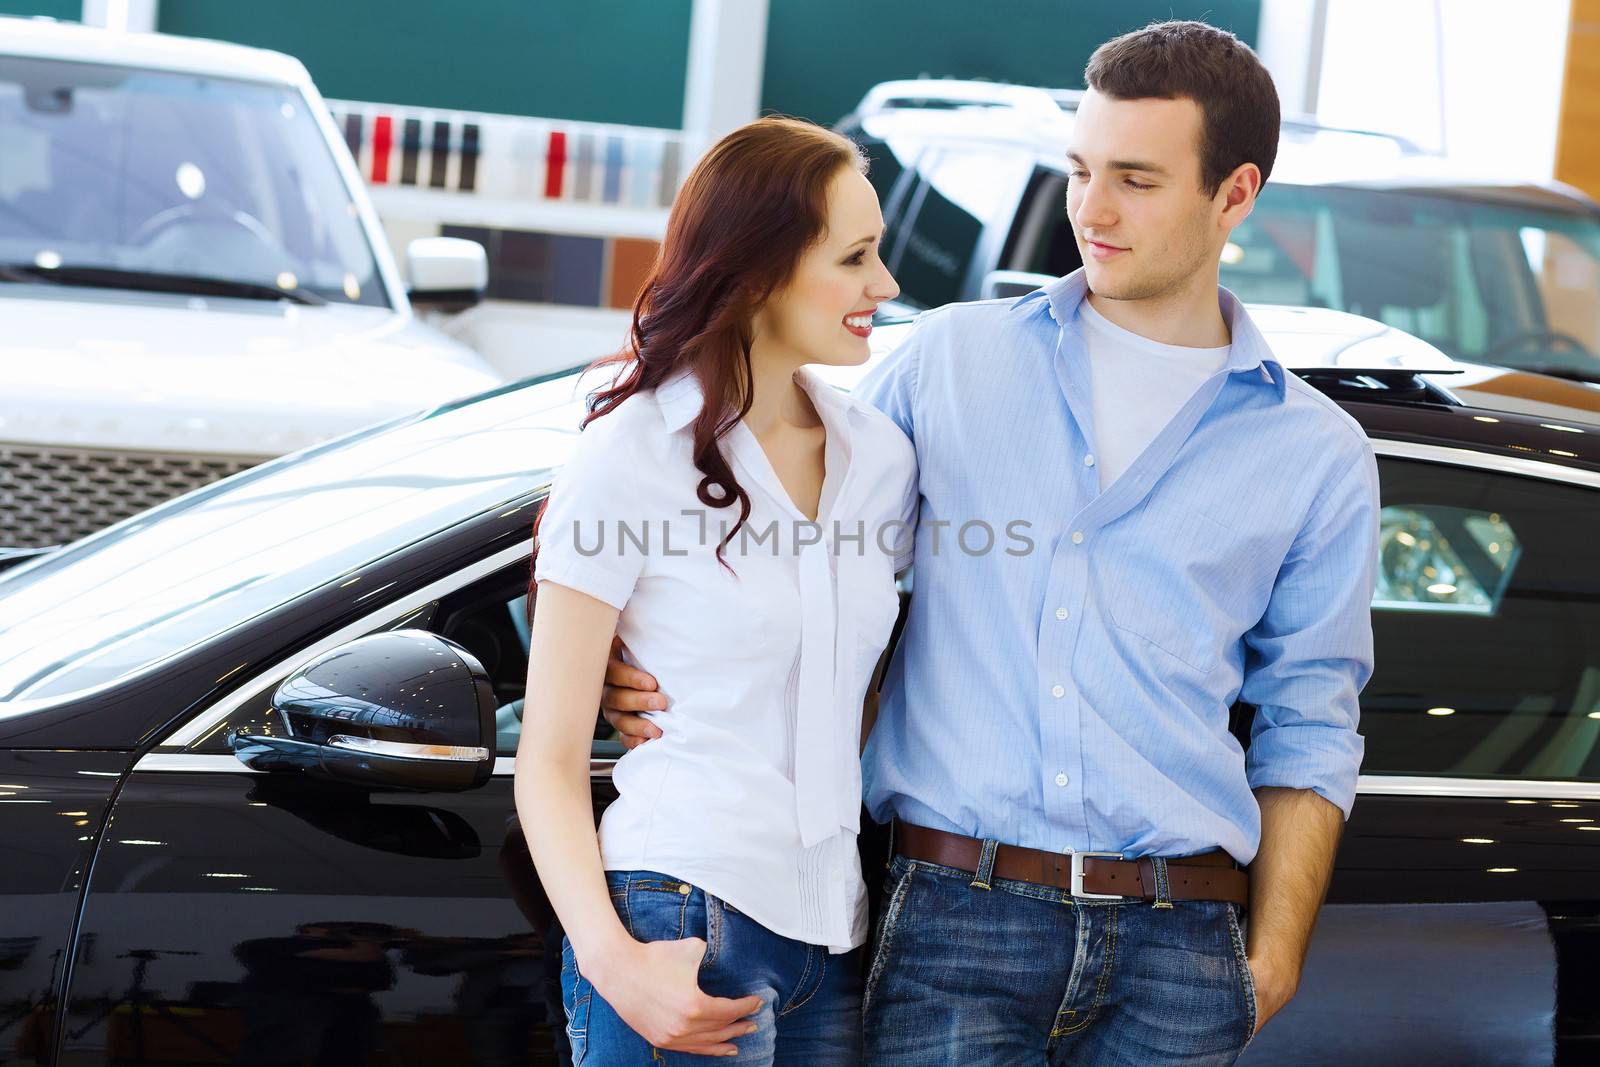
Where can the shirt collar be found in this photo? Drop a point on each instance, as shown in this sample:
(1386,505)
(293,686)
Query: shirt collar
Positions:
(1249,349)
(681,398)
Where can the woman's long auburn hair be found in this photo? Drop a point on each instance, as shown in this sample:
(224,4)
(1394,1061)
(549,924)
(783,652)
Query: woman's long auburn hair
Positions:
(747,213)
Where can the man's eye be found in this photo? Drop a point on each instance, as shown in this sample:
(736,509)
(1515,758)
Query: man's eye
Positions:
(1138,185)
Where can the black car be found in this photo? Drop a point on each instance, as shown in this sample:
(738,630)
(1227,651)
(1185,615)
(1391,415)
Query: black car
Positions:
(973,176)
(195,875)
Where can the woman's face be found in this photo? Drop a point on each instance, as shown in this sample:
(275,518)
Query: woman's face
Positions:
(824,314)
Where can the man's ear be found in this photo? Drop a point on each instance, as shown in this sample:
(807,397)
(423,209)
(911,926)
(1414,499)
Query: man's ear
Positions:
(1239,191)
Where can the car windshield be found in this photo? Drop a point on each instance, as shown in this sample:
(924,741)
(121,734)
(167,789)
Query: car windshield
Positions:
(123,599)
(123,177)
(1484,281)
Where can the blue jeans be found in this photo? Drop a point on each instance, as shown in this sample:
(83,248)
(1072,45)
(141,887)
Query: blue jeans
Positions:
(1023,974)
(812,1010)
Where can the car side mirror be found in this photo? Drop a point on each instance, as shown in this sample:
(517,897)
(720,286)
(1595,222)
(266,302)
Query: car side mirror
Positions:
(406,709)
(447,272)
(1012,283)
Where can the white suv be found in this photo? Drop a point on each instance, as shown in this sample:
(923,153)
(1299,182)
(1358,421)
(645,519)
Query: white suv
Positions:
(192,279)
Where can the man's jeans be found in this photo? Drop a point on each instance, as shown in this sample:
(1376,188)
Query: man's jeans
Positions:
(1023,974)
(812,1013)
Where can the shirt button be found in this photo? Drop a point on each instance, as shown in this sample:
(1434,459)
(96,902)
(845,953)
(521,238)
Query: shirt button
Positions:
(1077,537)
(1058,692)
(1062,779)
(1088,461)
(1061,613)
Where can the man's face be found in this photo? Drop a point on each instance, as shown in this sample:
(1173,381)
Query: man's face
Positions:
(1143,225)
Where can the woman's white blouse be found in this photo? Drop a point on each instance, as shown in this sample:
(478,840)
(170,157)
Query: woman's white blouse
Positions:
(753,792)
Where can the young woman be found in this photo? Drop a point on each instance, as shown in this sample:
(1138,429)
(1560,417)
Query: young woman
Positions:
(738,523)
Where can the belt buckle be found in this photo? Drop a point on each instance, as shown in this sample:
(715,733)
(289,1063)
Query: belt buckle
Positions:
(1077,859)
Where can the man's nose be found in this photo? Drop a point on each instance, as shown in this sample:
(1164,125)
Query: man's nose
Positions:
(1094,209)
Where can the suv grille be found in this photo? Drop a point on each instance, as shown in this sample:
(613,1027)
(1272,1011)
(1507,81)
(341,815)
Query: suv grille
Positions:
(49,496)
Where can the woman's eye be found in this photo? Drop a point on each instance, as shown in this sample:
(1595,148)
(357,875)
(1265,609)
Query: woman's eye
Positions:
(856,258)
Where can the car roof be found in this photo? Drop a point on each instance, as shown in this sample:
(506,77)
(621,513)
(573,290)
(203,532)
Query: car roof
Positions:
(44,38)
(1038,122)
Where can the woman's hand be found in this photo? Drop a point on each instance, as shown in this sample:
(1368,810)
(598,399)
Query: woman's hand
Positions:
(655,987)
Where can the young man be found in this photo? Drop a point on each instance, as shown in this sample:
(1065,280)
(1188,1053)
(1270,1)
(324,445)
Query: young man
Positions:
(1070,810)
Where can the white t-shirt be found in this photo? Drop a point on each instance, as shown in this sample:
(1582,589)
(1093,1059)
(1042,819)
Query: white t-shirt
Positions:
(1137,386)
(753,792)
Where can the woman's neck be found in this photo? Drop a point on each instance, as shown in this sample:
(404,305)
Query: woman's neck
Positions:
(779,401)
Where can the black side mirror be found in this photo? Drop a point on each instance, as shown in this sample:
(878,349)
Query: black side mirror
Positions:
(406,709)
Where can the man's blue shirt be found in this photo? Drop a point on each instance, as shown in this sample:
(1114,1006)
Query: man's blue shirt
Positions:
(1075,693)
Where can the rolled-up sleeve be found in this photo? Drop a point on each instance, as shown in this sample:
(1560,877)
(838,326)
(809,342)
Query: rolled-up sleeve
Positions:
(595,497)
(1310,655)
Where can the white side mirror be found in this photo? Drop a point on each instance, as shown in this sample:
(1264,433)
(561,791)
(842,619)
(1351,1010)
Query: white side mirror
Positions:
(447,271)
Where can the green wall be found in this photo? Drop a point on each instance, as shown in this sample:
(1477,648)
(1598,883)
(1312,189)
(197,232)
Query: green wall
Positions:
(823,55)
(65,10)
(591,60)
(625,60)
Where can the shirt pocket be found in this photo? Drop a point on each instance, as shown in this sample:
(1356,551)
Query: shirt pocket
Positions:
(1183,582)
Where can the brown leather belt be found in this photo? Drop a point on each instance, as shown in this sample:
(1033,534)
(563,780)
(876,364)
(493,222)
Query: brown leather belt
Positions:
(1208,876)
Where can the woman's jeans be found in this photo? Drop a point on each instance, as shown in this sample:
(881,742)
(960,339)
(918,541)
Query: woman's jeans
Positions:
(812,1009)
(1023,974)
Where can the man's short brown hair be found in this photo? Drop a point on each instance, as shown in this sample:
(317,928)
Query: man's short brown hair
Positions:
(1212,67)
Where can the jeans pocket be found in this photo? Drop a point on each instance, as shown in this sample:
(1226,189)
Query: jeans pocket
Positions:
(1247,981)
(896,889)
(576,996)
(659,907)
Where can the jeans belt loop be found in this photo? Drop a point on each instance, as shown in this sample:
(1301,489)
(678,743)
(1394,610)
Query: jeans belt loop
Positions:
(985,871)
(1163,883)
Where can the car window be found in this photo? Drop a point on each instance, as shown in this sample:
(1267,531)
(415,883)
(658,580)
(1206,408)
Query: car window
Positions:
(1481,280)
(156,171)
(1486,618)
(489,618)
(937,204)
(891,167)
(1041,240)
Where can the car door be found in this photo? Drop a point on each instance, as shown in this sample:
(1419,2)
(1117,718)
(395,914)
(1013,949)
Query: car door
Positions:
(244,918)
(1464,912)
